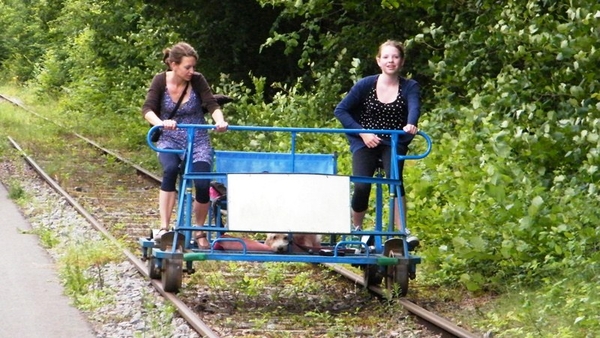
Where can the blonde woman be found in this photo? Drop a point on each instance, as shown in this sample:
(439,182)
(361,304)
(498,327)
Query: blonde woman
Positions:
(386,101)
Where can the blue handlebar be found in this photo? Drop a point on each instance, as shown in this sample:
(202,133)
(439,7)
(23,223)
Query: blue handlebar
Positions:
(292,131)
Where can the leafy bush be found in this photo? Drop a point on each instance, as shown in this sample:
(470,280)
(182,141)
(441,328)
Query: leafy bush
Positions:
(520,155)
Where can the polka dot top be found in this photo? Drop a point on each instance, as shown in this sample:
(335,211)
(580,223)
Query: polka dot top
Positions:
(384,116)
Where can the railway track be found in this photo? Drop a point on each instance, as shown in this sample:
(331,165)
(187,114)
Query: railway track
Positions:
(119,199)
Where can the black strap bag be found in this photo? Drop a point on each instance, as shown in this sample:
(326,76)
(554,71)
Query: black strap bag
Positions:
(157,132)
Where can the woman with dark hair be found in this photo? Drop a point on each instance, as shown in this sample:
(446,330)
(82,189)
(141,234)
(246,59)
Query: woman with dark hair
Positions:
(180,83)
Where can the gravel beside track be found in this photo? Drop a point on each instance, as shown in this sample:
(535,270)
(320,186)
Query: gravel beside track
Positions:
(133,307)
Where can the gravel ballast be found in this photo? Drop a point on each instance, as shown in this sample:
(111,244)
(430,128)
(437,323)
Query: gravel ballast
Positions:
(127,305)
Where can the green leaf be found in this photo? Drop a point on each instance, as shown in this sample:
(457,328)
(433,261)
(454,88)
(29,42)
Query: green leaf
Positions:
(536,203)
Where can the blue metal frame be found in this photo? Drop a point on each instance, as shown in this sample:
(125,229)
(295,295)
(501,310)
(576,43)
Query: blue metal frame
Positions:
(185,228)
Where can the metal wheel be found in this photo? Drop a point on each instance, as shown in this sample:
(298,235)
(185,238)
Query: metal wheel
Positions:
(172,275)
(371,275)
(153,270)
(397,276)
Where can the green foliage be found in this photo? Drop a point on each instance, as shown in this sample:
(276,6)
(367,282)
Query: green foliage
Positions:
(520,151)
(47,237)
(291,106)
(81,268)
(323,33)
(16,191)
(563,306)
(21,39)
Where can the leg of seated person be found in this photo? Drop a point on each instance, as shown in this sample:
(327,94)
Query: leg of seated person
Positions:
(251,245)
(200,212)
(166,203)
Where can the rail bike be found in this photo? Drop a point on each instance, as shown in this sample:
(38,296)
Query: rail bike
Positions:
(274,193)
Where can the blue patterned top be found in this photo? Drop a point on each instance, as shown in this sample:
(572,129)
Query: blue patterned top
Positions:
(189,112)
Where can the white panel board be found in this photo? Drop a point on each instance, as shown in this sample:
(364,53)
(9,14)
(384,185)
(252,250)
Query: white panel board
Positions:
(308,203)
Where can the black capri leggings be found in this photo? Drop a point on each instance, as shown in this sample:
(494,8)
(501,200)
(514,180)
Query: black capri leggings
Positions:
(171,168)
(364,163)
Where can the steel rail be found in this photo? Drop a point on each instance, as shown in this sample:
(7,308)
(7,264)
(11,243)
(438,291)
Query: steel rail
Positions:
(188,314)
(434,322)
(139,169)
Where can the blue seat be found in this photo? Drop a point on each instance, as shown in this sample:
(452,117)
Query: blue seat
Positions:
(263,162)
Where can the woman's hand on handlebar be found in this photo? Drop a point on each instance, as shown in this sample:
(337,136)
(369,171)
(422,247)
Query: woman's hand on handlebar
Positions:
(221,126)
(169,124)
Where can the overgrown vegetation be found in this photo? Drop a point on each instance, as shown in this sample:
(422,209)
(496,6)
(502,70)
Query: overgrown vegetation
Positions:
(15,191)
(81,267)
(289,297)
(508,200)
